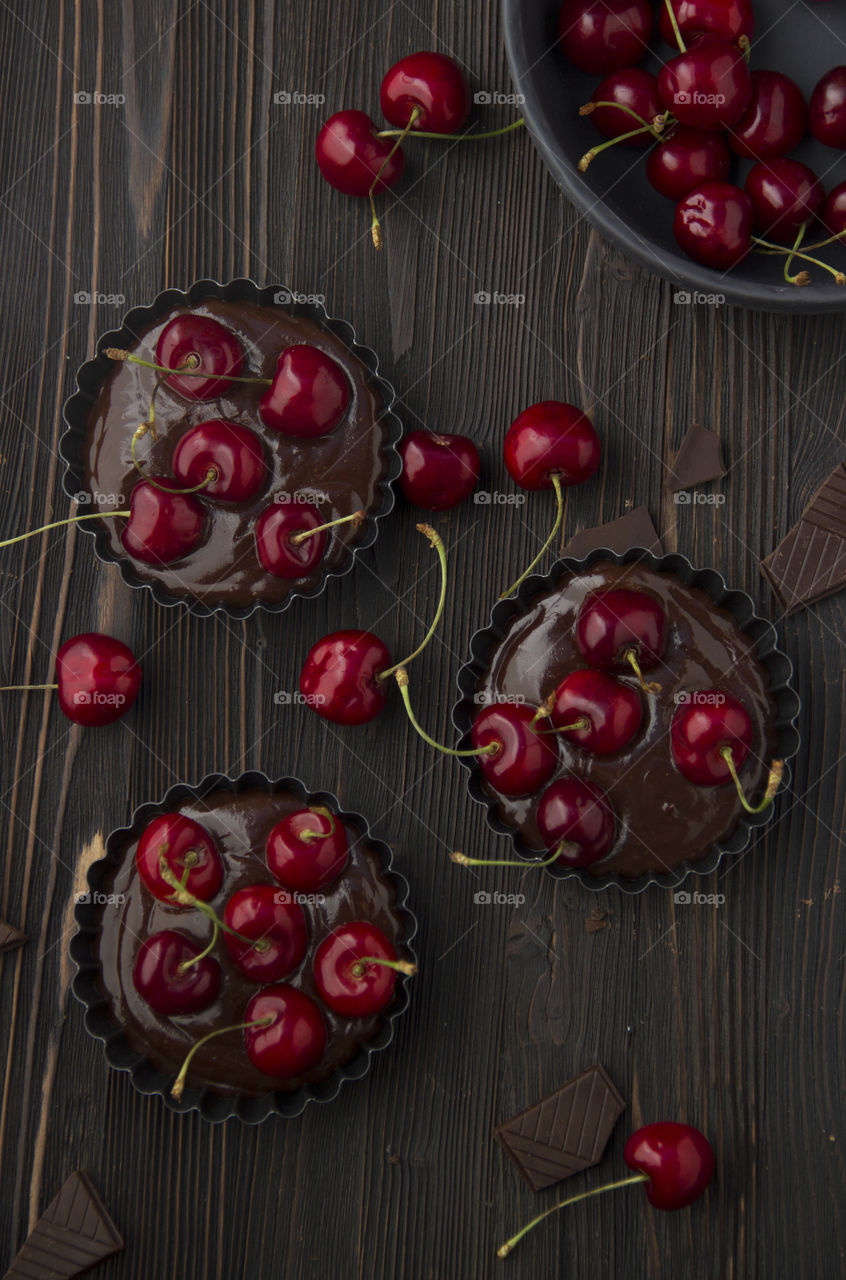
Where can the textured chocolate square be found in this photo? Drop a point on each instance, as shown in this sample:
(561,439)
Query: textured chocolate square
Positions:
(565,1132)
(10,937)
(810,562)
(634,529)
(698,460)
(73,1233)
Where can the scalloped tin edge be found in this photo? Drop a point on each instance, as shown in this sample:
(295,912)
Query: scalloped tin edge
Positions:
(738,603)
(91,373)
(216,1107)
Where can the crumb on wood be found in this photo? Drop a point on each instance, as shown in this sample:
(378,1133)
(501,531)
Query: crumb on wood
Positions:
(597,920)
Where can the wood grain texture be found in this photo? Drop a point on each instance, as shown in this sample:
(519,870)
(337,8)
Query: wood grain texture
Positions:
(730,1017)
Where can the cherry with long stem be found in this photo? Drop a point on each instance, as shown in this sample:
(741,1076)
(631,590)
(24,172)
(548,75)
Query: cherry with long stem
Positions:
(401,135)
(183,898)
(591,155)
(57,524)
(559,516)
(178,1086)
(469,136)
(117,353)
(773,782)
(492,749)
(357,517)
(504,1249)
(436,542)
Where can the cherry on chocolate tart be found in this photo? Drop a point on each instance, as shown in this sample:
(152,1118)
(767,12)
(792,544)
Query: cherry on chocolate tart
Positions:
(309,394)
(173,976)
(307,850)
(613,711)
(576,822)
(208,354)
(231,452)
(356,970)
(190,856)
(267,935)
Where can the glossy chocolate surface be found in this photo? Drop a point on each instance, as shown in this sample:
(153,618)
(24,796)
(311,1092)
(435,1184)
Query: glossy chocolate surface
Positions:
(662,819)
(339,472)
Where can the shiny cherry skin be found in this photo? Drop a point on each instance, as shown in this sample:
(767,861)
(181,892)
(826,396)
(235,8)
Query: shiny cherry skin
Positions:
(775,121)
(309,395)
(833,212)
(345,992)
(730,19)
(677,1158)
(713,224)
(827,108)
(784,194)
(709,86)
(685,159)
(186,846)
(600,36)
(614,711)
(307,850)
(339,677)
(295,1039)
(270,916)
(233,452)
(206,345)
(576,814)
(432,83)
(98,679)
(526,758)
(350,155)
(275,528)
(615,620)
(701,727)
(162,526)
(548,437)
(632,88)
(438,471)
(159,978)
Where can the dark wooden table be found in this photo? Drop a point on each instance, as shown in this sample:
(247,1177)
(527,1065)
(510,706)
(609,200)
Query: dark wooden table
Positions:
(731,1017)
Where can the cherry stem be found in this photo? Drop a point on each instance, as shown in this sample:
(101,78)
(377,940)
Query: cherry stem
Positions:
(304,534)
(463,860)
(19,688)
(308,835)
(671,14)
(189,964)
(435,541)
(184,898)
(656,126)
(559,516)
(745,47)
(591,155)
(773,781)
(802,277)
(179,1083)
(57,524)
(490,750)
(401,135)
(470,136)
(184,371)
(582,723)
(648,686)
(401,966)
(767,247)
(504,1250)
(821,244)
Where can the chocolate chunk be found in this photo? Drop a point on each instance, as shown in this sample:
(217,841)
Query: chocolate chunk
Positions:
(810,562)
(635,529)
(698,460)
(10,937)
(73,1233)
(565,1132)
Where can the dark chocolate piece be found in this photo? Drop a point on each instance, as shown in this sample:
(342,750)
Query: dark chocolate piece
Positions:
(10,937)
(698,460)
(634,529)
(565,1132)
(73,1233)
(810,563)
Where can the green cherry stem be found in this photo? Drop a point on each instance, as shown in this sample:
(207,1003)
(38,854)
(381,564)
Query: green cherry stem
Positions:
(207,950)
(57,524)
(183,898)
(401,135)
(400,966)
(178,1086)
(671,14)
(470,136)
(559,516)
(767,247)
(591,155)
(304,534)
(320,809)
(490,750)
(504,1250)
(773,782)
(581,723)
(656,126)
(20,688)
(184,371)
(648,686)
(435,541)
(463,861)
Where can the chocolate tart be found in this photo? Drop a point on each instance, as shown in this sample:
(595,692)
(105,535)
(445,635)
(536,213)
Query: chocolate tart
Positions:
(667,826)
(120,912)
(352,468)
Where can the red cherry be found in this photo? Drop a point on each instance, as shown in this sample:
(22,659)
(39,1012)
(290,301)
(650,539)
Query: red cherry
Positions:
(525,759)
(713,224)
(702,727)
(340,677)
(599,36)
(827,111)
(685,159)
(205,345)
(614,711)
(98,679)
(551,437)
(307,850)
(309,394)
(432,83)
(295,1040)
(677,1158)
(162,526)
(350,154)
(438,471)
(276,528)
(278,925)
(576,815)
(775,120)
(163,976)
(616,622)
(233,452)
(728,18)
(833,212)
(346,984)
(784,193)
(632,88)
(186,846)
(708,86)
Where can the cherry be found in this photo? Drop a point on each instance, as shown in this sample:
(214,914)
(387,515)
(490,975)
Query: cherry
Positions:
(173,975)
(352,157)
(309,393)
(307,849)
(550,439)
(355,969)
(277,530)
(620,100)
(97,679)
(618,628)
(576,822)
(677,1160)
(599,36)
(775,120)
(833,212)
(708,86)
(438,471)
(730,19)
(275,924)
(785,193)
(190,855)
(163,525)
(827,110)
(340,677)
(685,159)
(431,83)
(232,452)
(613,711)
(713,224)
(524,759)
(710,738)
(197,343)
(293,1037)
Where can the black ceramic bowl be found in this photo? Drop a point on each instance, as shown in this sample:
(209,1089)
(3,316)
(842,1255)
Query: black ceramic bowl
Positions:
(767,651)
(92,373)
(802,39)
(100,1022)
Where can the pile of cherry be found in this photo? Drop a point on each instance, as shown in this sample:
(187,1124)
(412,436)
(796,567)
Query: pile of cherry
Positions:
(704,104)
